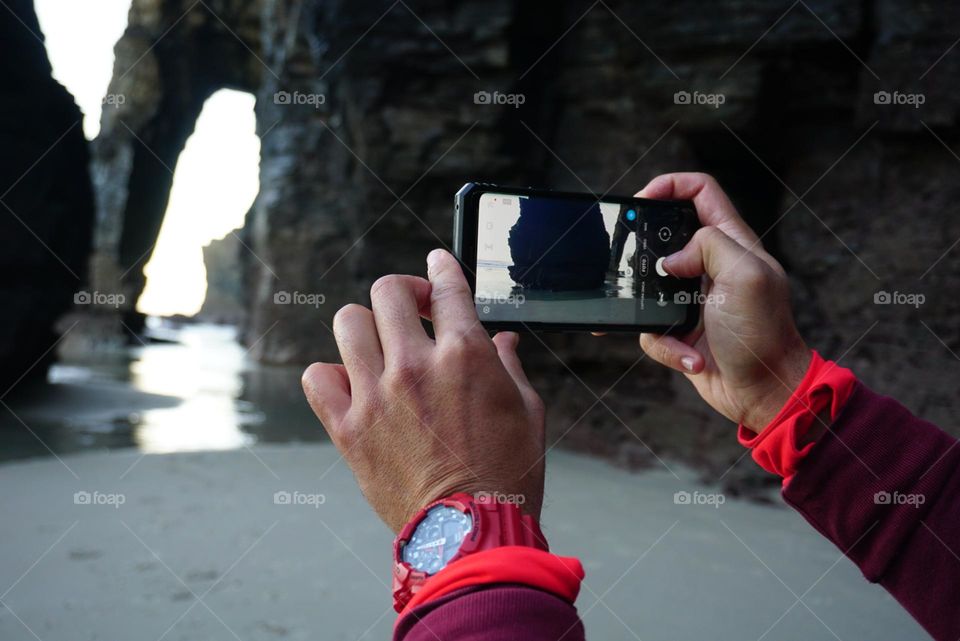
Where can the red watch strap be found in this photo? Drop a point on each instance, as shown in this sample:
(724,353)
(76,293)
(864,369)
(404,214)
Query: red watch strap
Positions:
(497,522)
(505,524)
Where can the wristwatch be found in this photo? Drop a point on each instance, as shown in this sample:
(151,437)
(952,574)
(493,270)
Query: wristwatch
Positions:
(452,528)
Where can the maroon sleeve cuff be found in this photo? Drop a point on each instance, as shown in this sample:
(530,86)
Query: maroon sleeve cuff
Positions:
(500,612)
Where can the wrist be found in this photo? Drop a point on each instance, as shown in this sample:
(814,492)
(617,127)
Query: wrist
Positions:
(452,528)
(528,498)
(788,439)
(783,380)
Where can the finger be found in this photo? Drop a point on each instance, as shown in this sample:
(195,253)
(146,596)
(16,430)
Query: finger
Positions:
(396,301)
(327,388)
(359,344)
(451,301)
(713,205)
(599,333)
(672,352)
(506,343)
(710,252)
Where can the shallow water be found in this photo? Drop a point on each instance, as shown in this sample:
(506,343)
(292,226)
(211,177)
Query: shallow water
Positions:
(199,392)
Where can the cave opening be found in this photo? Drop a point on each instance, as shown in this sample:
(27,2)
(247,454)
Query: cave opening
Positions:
(215,181)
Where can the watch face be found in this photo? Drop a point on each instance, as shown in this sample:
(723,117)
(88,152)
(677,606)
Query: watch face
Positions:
(437,538)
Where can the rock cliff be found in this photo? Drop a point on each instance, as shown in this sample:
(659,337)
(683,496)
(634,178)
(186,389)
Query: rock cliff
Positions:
(46,203)
(832,124)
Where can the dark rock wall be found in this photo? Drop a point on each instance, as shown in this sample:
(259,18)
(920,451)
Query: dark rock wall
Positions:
(46,203)
(855,197)
(363,185)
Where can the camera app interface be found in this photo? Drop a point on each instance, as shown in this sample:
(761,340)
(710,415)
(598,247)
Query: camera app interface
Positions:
(544,259)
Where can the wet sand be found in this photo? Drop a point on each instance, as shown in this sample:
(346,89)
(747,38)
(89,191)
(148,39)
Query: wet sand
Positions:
(194,546)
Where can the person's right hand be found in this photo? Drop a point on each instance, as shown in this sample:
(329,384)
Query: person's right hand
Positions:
(745,357)
(418,418)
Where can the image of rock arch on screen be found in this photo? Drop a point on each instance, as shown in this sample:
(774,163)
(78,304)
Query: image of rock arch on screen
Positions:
(549,259)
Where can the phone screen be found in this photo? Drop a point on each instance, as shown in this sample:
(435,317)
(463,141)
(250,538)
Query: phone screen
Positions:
(570,260)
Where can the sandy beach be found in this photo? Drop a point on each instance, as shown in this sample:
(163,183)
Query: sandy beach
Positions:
(201,546)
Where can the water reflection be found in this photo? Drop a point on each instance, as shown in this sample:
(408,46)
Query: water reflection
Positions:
(203,370)
(191,387)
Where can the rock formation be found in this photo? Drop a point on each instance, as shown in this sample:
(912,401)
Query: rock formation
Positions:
(225,301)
(558,245)
(171,58)
(46,204)
(372,115)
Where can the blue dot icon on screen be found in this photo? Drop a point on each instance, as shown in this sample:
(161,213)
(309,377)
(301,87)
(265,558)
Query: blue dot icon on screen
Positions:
(631,215)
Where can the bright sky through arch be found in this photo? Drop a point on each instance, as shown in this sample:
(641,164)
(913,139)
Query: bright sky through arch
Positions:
(216,177)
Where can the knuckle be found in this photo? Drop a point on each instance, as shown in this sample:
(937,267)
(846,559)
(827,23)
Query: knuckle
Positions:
(656,349)
(444,290)
(755,274)
(345,313)
(345,435)
(709,182)
(384,285)
(468,347)
(403,374)
(663,353)
(650,344)
(706,235)
(458,360)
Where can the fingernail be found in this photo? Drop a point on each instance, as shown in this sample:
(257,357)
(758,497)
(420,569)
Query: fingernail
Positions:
(433,257)
(687,362)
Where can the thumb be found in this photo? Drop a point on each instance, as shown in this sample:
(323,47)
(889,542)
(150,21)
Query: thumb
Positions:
(327,389)
(709,252)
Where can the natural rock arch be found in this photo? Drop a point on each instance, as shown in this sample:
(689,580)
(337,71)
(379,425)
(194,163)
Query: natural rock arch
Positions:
(171,58)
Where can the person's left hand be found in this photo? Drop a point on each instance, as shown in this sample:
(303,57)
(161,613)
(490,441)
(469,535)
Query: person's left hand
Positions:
(420,419)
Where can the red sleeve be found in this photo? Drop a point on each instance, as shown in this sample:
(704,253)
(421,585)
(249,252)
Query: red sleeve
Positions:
(781,446)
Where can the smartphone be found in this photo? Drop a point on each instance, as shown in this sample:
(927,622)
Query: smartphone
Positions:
(541,260)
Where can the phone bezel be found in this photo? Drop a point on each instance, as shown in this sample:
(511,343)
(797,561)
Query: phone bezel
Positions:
(466,220)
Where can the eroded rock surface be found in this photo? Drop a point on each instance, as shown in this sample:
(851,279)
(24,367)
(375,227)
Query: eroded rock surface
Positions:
(370,120)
